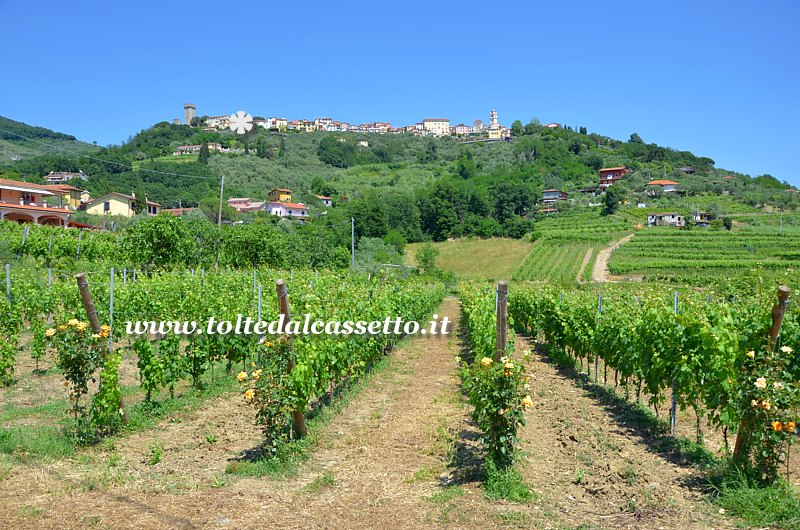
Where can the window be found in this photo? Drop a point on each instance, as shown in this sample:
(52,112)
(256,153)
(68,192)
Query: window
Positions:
(106,207)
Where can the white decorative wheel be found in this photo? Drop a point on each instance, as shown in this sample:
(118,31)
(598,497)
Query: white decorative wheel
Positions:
(241,122)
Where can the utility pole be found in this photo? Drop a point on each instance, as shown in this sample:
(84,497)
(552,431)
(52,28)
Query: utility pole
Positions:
(221,189)
(353,241)
(219,223)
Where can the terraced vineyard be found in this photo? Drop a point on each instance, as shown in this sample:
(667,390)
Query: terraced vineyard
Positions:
(690,256)
(563,240)
(553,262)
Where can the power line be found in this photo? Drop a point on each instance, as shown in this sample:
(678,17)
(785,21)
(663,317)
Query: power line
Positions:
(118,164)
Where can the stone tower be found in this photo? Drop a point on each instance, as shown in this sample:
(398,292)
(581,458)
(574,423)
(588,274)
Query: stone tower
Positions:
(188,113)
(493,124)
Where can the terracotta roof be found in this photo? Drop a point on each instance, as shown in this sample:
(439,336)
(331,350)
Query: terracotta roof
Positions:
(611,168)
(38,188)
(662,182)
(322,197)
(63,187)
(296,205)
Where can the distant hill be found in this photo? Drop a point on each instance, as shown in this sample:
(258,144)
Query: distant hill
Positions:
(13,147)
(437,188)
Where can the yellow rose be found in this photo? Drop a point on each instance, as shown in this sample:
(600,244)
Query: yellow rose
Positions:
(105,328)
(95,336)
(761,383)
(751,354)
(789,426)
(62,328)
(73,322)
(81,326)
(786,349)
(242,376)
(485,362)
(527,402)
(777,426)
(249,395)
(50,332)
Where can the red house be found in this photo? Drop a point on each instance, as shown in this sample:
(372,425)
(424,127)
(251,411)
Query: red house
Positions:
(610,175)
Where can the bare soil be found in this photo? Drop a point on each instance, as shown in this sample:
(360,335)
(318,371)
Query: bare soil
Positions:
(402,453)
(600,271)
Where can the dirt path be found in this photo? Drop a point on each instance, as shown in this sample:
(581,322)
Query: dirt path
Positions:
(584,263)
(595,466)
(376,464)
(403,453)
(600,271)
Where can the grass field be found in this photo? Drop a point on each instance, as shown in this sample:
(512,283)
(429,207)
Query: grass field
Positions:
(488,258)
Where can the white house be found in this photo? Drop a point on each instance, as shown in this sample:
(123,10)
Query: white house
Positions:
(288,209)
(666,185)
(666,219)
(325,200)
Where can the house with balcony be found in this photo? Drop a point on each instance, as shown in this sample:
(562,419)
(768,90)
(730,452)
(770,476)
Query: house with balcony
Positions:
(610,175)
(119,204)
(552,195)
(280,195)
(67,196)
(24,202)
(60,177)
(288,209)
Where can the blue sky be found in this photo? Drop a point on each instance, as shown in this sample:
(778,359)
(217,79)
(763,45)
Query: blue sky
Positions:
(716,78)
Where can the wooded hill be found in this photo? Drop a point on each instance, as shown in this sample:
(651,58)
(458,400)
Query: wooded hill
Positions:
(420,187)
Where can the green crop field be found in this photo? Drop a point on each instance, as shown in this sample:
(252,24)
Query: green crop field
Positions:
(553,262)
(692,255)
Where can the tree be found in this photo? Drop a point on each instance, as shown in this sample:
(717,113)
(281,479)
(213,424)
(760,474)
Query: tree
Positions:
(204,155)
(636,139)
(594,161)
(613,196)
(261,148)
(465,166)
(140,199)
(336,151)
(158,241)
(583,130)
(517,129)
(426,258)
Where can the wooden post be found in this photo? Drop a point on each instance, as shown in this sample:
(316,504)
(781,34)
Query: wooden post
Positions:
(740,450)
(673,408)
(283,304)
(502,319)
(94,322)
(88,303)
(599,313)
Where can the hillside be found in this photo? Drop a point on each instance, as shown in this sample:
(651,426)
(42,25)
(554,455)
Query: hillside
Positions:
(421,188)
(13,147)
